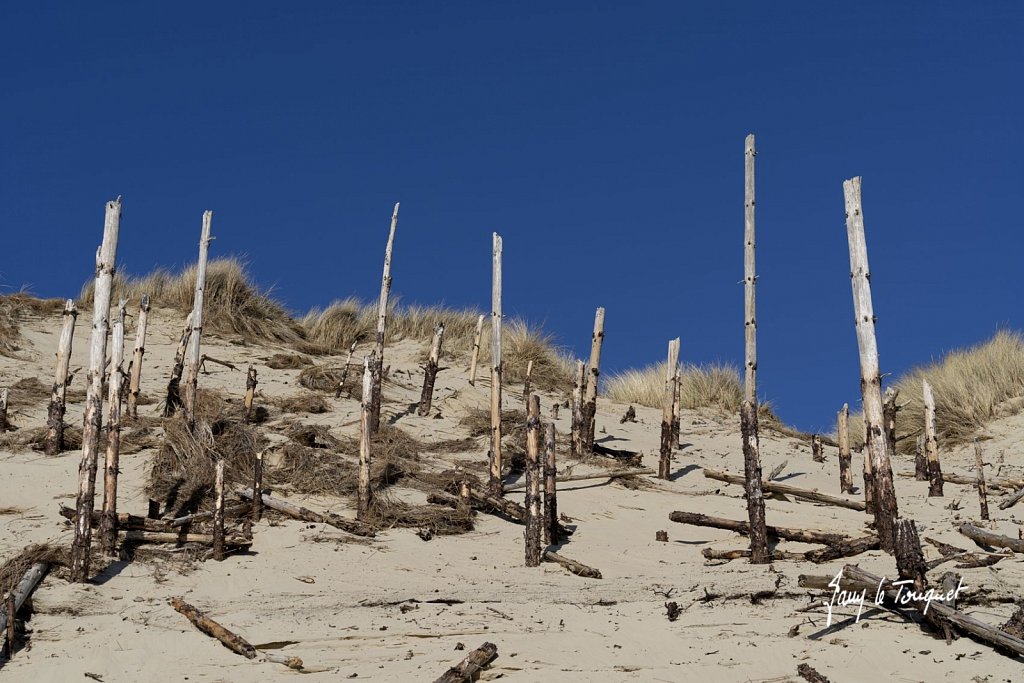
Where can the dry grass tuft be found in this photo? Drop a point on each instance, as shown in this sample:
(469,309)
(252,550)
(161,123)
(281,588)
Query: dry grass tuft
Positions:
(288,361)
(333,329)
(387,512)
(29,391)
(326,378)
(14,569)
(701,386)
(521,343)
(303,403)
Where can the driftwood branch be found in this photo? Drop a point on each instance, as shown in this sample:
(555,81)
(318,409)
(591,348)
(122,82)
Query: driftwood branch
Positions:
(785,489)
(352,526)
(610,474)
(468,670)
(802,535)
(988,538)
(575,567)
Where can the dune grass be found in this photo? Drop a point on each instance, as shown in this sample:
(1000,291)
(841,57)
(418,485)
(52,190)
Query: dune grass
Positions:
(714,385)
(15,308)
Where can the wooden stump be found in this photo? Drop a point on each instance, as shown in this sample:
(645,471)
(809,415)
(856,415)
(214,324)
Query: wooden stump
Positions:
(495,481)
(590,398)
(982,491)
(382,317)
(218,512)
(250,392)
(5,424)
(931,444)
(817,449)
(534,511)
(468,670)
(344,370)
(173,400)
(668,411)
(551,525)
(474,359)
(135,382)
(58,395)
(108,525)
(909,556)
(759,553)
(430,371)
(845,474)
(920,460)
(370,369)
(889,410)
(194,356)
(257,488)
(526,382)
(577,409)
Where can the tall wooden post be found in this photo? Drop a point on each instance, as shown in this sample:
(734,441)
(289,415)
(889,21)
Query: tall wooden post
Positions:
(551,534)
(108,523)
(759,553)
(931,444)
(257,488)
(344,370)
(476,349)
(495,482)
(106,257)
(576,433)
(382,318)
(58,395)
(590,399)
(135,382)
(677,408)
(526,382)
(430,371)
(982,490)
(667,416)
(173,400)
(843,428)
(193,358)
(869,475)
(218,511)
(370,369)
(889,410)
(920,459)
(534,520)
(877,448)
(250,392)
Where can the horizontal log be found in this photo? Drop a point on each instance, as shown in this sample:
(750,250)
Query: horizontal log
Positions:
(988,538)
(227,638)
(139,536)
(468,670)
(352,526)
(232,511)
(714,554)
(787,490)
(1012,500)
(481,500)
(973,480)
(124,520)
(575,567)
(832,552)
(610,474)
(801,535)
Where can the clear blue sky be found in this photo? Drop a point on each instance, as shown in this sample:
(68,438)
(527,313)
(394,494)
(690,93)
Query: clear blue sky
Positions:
(603,140)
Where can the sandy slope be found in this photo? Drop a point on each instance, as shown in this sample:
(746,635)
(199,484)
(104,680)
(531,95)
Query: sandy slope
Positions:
(547,624)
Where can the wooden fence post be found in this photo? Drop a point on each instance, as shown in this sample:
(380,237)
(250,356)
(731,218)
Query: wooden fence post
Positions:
(931,444)
(534,520)
(5,424)
(920,460)
(371,367)
(869,475)
(382,318)
(106,257)
(430,372)
(173,400)
(759,553)
(58,395)
(218,511)
(194,358)
(667,415)
(257,488)
(677,408)
(590,400)
(526,382)
(108,522)
(495,482)
(135,382)
(877,448)
(250,392)
(982,490)
(889,410)
(845,475)
(344,370)
(577,409)
(550,487)
(476,349)
(817,448)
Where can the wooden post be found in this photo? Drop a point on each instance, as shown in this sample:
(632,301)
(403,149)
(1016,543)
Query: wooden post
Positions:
(982,491)
(845,475)
(58,395)
(12,633)
(476,349)
(526,382)
(876,446)
(173,401)
(577,409)
(218,511)
(382,318)
(193,359)
(817,448)
(250,392)
(430,372)
(257,488)
(759,553)
(108,523)
(889,410)
(534,512)
(495,482)
(134,384)
(920,460)
(749,273)
(550,487)
(667,415)
(590,399)
(909,557)
(677,408)
(371,368)
(106,257)
(931,444)
(344,370)
(869,476)
(5,425)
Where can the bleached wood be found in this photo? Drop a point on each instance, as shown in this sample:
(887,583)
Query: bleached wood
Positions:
(173,400)
(250,392)
(759,552)
(476,348)
(550,486)
(667,413)
(106,258)
(134,385)
(370,366)
(982,490)
(931,444)
(749,274)
(495,481)
(534,511)
(58,395)
(430,371)
(108,524)
(382,319)
(590,398)
(5,425)
(526,382)
(24,589)
(344,370)
(843,428)
(218,511)
(677,408)
(194,355)
(577,408)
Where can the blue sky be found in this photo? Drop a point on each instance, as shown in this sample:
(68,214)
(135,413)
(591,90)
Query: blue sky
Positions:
(604,141)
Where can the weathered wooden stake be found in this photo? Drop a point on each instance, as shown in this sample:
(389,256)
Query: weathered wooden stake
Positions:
(677,408)
(550,487)
(909,556)
(344,370)
(193,358)
(257,488)
(889,410)
(526,382)
(371,369)
(135,382)
(920,460)
(476,349)
(250,392)
(869,475)
(173,401)
(877,448)
(590,399)
(845,475)
(5,425)
(749,273)
(382,318)
(218,511)
(58,395)
(534,511)
(817,448)
(430,371)
(108,523)
(577,409)
(106,257)
(667,413)
(495,481)
(931,444)
(759,553)
(11,636)
(982,491)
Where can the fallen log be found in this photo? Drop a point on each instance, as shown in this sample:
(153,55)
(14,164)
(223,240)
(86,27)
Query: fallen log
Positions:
(139,536)
(610,474)
(124,520)
(810,674)
(468,670)
(713,554)
(575,567)
(801,535)
(1012,500)
(832,552)
(233,511)
(988,538)
(24,589)
(352,526)
(973,481)
(787,490)
(484,501)
(629,457)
